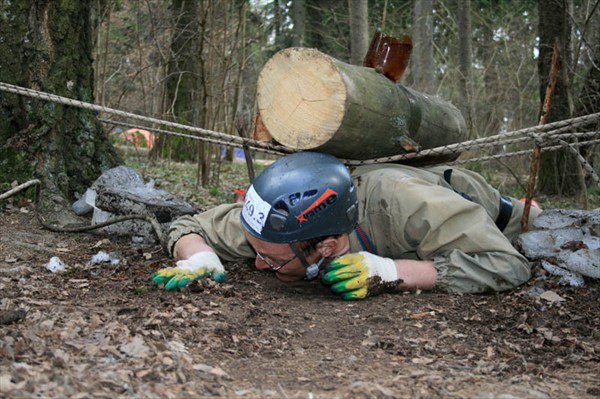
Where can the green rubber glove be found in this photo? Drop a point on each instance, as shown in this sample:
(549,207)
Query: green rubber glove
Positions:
(197,266)
(361,274)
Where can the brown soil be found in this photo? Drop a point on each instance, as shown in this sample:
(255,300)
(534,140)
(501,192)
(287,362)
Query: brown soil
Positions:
(104,331)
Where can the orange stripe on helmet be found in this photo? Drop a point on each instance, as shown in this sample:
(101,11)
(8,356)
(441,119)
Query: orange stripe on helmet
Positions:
(328,193)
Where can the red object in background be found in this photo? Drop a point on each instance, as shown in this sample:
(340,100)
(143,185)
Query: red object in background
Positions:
(389,53)
(239,195)
(533,202)
(139,138)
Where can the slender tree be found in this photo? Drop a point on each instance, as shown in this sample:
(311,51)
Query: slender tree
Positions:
(50,47)
(588,99)
(464,61)
(359,30)
(183,94)
(299,19)
(421,64)
(559,170)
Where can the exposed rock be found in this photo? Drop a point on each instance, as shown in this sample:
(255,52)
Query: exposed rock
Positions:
(144,201)
(121,191)
(566,238)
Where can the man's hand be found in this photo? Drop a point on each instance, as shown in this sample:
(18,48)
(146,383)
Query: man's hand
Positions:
(197,266)
(361,274)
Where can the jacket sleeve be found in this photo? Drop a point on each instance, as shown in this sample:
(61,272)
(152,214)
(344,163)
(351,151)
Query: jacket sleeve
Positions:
(470,254)
(220,227)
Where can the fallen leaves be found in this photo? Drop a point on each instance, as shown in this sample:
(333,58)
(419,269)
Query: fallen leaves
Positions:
(210,370)
(89,332)
(135,348)
(552,297)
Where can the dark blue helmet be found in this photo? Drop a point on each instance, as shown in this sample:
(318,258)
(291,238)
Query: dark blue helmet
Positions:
(301,196)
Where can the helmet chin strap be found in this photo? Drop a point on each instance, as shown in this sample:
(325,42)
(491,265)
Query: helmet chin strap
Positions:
(312,269)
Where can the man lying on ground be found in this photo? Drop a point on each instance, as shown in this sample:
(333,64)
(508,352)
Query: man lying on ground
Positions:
(379,228)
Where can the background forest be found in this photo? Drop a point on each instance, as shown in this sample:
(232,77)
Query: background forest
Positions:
(197,62)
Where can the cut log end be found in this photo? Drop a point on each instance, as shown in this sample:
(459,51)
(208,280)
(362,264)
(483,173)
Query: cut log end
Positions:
(301,97)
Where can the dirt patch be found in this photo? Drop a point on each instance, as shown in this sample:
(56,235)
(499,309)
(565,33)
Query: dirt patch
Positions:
(103,330)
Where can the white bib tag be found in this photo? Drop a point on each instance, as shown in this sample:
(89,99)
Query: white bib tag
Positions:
(255,210)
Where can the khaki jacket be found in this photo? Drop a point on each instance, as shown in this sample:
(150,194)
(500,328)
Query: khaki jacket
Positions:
(408,213)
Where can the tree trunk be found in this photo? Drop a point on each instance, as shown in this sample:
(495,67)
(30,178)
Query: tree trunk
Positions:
(559,170)
(299,18)
(588,101)
(182,87)
(308,100)
(277,18)
(421,62)
(50,47)
(209,103)
(359,30)
(464,61)
(491,115)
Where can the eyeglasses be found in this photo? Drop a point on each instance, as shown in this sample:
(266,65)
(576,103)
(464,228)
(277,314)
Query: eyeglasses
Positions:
(272,265)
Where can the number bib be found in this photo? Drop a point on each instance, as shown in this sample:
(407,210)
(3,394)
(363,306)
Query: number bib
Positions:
(255,210)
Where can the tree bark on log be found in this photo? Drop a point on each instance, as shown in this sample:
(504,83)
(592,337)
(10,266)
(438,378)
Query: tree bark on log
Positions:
(308,100)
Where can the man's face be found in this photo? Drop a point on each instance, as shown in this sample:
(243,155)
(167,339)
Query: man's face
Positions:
(281,257)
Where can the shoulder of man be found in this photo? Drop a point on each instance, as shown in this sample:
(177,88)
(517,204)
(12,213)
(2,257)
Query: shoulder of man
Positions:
(399,170)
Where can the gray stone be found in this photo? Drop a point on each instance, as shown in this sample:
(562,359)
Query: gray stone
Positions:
(121,191)
(567,238)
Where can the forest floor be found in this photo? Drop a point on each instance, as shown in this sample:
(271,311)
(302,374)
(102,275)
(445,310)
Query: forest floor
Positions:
(102,330)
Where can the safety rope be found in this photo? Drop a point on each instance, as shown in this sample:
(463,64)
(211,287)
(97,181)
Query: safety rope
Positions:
(235,141)
(524,152)
(203,134)
(529,134)
(549,134)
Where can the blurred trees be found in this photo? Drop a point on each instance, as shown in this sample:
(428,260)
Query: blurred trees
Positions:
(465,59)
(298,20)
(586,69)
(559,170)
(479,54)
(184,99)
(421,65)
(359,30)
(196,62)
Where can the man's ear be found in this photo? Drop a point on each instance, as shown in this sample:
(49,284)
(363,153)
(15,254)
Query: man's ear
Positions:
(329,246)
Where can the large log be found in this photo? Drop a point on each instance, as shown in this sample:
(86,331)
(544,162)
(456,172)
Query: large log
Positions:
(309,100)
